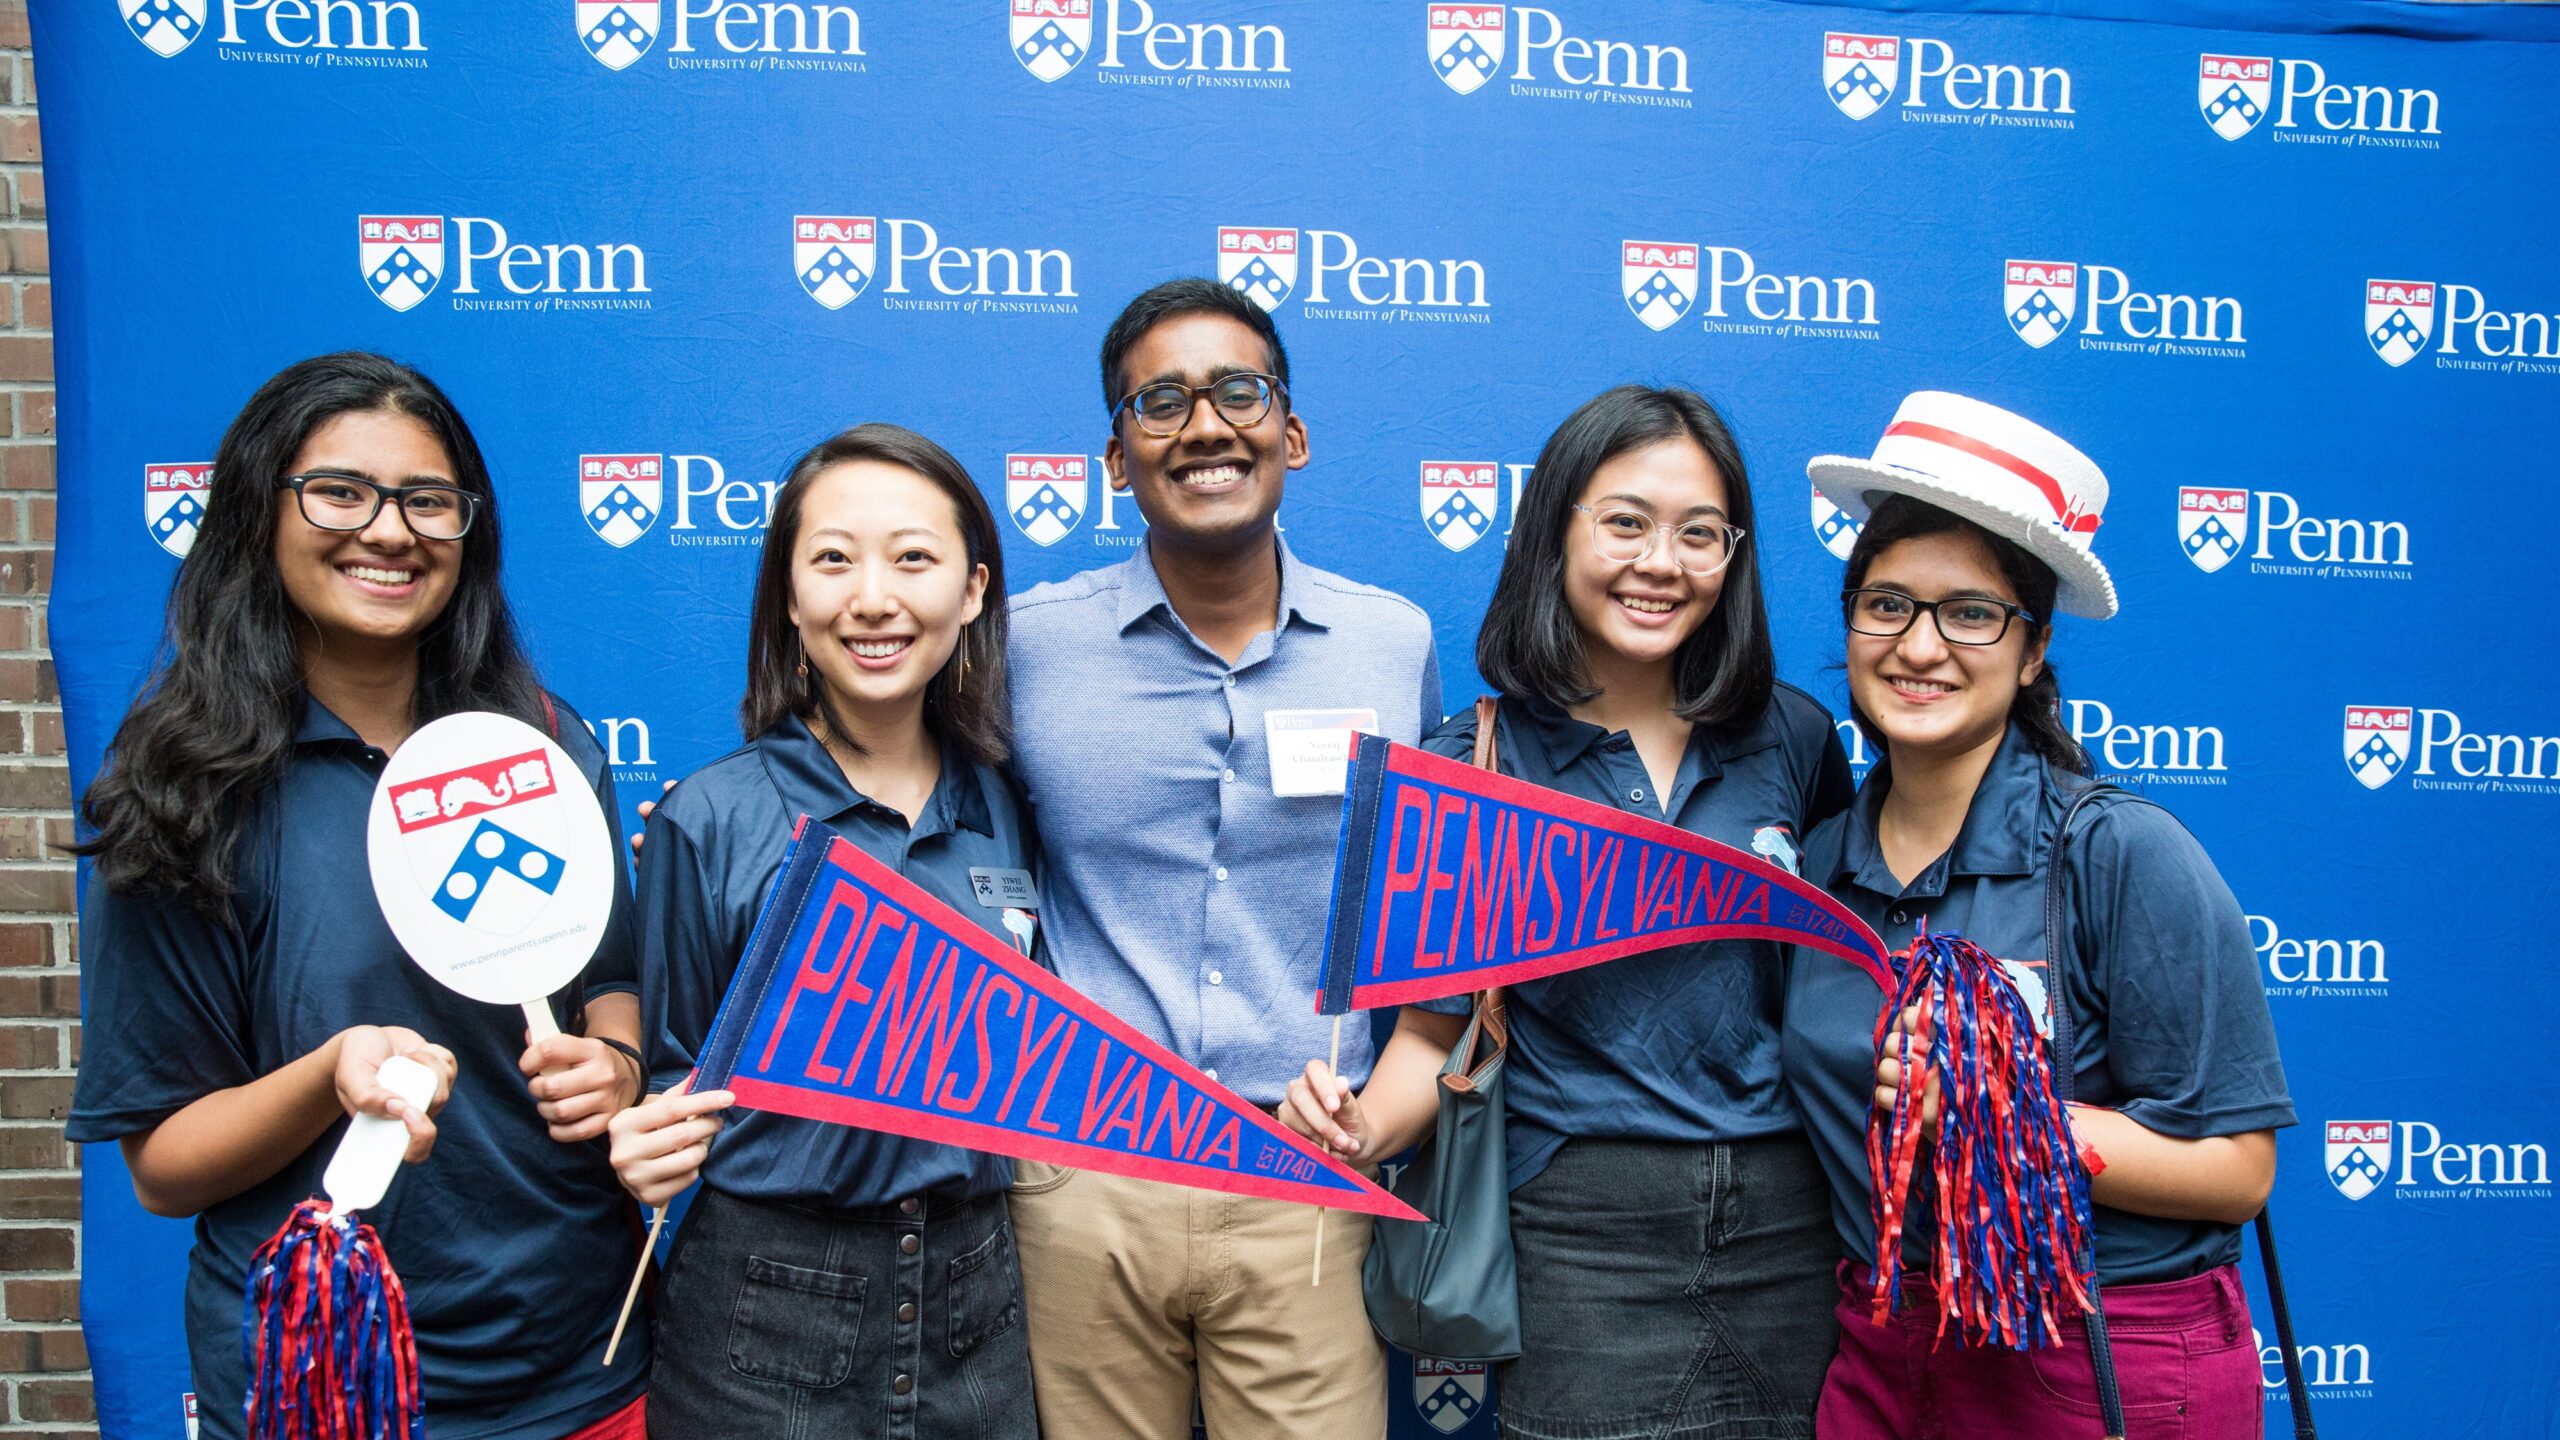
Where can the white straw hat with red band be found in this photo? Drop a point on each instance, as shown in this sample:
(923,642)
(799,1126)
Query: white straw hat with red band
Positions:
(2003,472)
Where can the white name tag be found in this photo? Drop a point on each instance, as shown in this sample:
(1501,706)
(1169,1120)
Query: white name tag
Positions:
(1311,749)
(1000,889)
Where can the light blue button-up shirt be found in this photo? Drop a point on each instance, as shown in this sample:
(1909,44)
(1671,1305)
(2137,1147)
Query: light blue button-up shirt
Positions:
(1180,892)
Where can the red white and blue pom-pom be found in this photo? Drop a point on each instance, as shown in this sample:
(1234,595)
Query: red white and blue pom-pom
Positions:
(326,1331)
(2013,1249)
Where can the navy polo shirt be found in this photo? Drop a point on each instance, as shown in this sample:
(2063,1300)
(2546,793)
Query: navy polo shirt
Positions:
(1675,1044)
(513,1247)
(713,850)
(2169,1020)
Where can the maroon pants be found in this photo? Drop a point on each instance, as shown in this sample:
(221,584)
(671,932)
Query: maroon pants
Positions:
(2186,1367)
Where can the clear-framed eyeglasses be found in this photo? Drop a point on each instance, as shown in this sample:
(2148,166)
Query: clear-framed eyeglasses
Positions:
(1165,410)
(1961,619)
(1701,547)
(333,500)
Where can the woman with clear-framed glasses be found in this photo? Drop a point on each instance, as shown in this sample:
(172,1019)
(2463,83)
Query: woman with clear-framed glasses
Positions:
(1667,1215)
(243,989)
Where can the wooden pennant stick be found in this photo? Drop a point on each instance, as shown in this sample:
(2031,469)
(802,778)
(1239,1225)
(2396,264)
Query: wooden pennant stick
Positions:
(647,1252)
(1315,1276)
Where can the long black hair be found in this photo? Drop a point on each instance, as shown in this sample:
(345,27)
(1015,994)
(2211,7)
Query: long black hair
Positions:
(1529,645)
(966,703)
(212,732)
(2037,710)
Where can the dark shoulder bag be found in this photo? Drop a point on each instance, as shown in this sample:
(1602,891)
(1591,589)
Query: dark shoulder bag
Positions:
(2101,1353)
(1448,1286)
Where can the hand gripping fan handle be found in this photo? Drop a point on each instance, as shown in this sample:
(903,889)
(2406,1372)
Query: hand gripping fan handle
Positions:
(370,1152)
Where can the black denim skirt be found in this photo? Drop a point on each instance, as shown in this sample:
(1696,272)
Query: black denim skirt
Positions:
(901,1323)
(1672,1291)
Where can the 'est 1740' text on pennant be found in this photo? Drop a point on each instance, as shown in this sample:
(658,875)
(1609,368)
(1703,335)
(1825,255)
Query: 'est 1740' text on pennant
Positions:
(863,1000)
(1452,879)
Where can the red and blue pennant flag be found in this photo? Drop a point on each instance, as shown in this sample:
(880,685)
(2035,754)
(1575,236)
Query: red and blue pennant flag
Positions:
(862,1000)
(1451,879)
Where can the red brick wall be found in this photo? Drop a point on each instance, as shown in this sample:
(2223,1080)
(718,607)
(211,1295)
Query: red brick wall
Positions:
(44,1367)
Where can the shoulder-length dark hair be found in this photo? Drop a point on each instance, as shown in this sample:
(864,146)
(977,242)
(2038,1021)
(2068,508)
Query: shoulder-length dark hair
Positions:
(965,704)
(2037,710)
(1529,644)
(216,724)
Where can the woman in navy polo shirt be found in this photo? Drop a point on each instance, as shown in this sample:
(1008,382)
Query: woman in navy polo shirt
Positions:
(242,988)
(1977,530)
(1666,1211)
(829,1280)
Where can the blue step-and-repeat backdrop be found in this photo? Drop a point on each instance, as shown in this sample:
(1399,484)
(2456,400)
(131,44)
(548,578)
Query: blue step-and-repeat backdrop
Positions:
(2285,271)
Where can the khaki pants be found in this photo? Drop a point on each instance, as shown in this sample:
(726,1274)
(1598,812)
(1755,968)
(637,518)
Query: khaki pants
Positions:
(1133,1287)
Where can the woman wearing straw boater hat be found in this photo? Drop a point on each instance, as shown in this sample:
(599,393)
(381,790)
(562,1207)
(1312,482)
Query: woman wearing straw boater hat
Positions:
(1978,528)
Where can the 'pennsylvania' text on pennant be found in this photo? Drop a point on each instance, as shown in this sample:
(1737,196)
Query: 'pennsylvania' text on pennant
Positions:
(862,1000)
(1452,879)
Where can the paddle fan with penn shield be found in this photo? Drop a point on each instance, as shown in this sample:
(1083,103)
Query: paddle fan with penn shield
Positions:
(493,866)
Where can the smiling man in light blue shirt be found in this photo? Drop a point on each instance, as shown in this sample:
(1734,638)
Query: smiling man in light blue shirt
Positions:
(1188,867)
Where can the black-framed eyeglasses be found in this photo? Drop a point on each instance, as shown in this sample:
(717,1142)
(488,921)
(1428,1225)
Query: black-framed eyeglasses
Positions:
(333,500)
(1701,547)
(1165,410)
(1961,619)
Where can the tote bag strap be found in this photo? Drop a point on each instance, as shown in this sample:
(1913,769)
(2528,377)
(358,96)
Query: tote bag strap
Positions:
(2102,1357)
(1488,1004)
(2101,1354)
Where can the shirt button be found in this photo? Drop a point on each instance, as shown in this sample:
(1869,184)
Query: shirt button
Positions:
(1211,1072)
(1898,916)
(1217,977)
(908,1244)
(902,1385)
(1231,682)
(910,1205)
(1635,794)
(1222,872)
(906,1312)
(1230,777)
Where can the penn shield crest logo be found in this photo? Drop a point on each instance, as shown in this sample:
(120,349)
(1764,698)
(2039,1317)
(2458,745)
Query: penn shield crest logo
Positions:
(1051,37)
(1045,495)
(487,841)
(173,503)
(2357,1156)
(1447,1394)
(2233,90)
(2039,297)
(2377,745)
(167,26)
(1833,527)
(620,495)
(2213,525)
(1859,71)
(834,256)
(617,32)
(1261,263)
(1465,43)
(1659,279)
(402,256)
(2399,315)
(1459,498)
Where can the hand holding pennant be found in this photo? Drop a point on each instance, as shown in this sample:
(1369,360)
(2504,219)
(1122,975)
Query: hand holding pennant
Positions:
(863,1000)
(1452,879)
